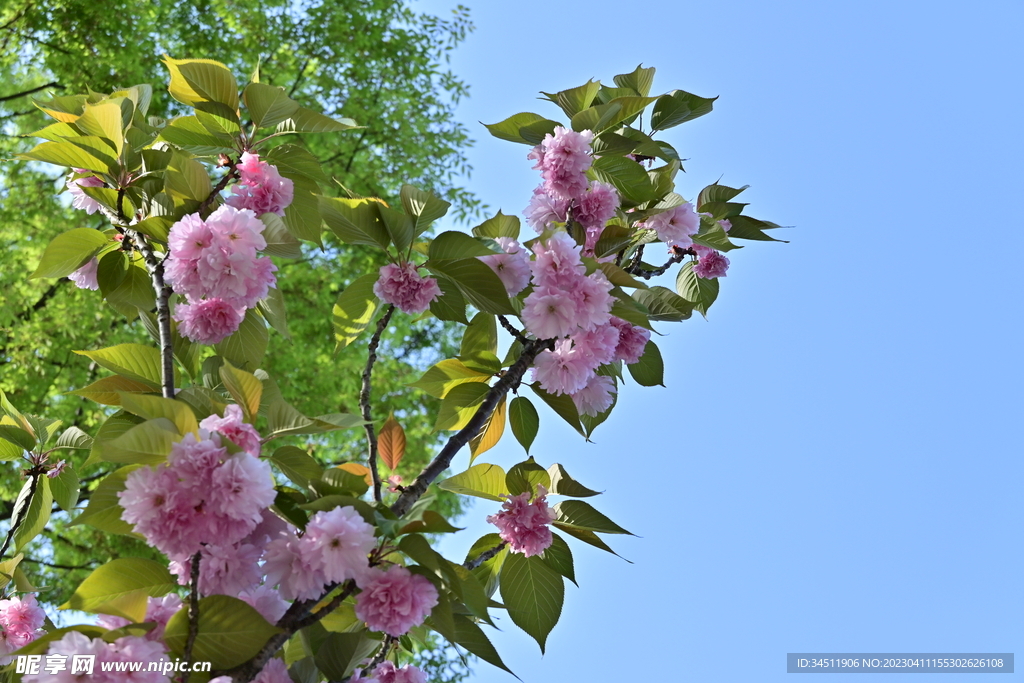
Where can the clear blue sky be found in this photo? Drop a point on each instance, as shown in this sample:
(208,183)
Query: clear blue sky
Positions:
(836,462)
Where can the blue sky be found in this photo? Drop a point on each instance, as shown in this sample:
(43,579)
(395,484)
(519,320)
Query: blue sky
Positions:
(835,463)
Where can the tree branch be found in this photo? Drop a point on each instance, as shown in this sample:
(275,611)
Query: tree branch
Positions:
(512,330)
(204,208)
(484,556)
(443,459)
(69,567)
(637,268)
(193,615)
(364,401)
(53,84)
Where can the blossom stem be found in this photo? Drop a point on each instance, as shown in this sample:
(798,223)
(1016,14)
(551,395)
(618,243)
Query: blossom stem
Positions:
(193,615)
(443,459)
(637,268)
(204,208)
(512,330)
(364,401)
(484,556)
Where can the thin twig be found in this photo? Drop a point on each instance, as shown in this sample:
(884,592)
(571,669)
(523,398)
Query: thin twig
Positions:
(382,653)
(53,84)
(364,401)
(204,208)
(193,615)
(484,556)
(510,328)
(443,459)
(637,268)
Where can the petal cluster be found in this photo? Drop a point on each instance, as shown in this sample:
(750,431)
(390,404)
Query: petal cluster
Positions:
(261,188)
(86,276)
(512,267)
(524,524)
(403,286)
(710,263)
(675,226)
(395,600)
(126,649)
(79,199)
(21,621)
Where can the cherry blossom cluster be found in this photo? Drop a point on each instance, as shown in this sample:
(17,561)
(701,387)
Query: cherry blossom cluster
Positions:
(126,649)
(261,188)
(214,264)
(388,672)
(524,524)
(395,600)
(274,671)
(403,286)
(512,267)
(21,621)
(711,263)
(563,158)
(158,611)
(205,498)
(575,309)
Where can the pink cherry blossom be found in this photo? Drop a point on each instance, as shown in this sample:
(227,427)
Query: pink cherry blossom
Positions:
(563,370)
(549,313)
(388,672)
(158,611)
(524,524)
(126,649)
(86,276)
(395,600)
(189,238)
(404,287)
(544,211)
(593,298)
(261,188)
(265,600)
(274,671)
(243,487)
(233,427)
(209,321)
(339,540)
(726,224)
(596,397)
(557,263)
(675,226)
(290,564)
(21,621)
(563,159)
(597,206)
(226,569)
(79,199)
(512,267)
(162,510)
(632,341)
(710,263)
(597,345)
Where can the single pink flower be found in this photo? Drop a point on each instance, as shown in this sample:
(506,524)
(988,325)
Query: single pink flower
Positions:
(261,189)
(632,341)
(233,427)
(524,524)
(710,263)
(395,600)
(267,601)
(563,370)
(675,226)
(558,262)
(544,211)
(597,206)
(387,672)
(512,267)
(79,199)
(404,287)
(339,540)
(86,276)
(549,313)
(563,159)
(209,321)
(274,671)
(596,397)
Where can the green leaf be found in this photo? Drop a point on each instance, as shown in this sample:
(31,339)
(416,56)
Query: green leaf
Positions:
(355,221)
(697,290)
(400,228)
(273,309)
(649,371)
(481,336)
(148,443)
(558,556)
(244,388)
(492,431)
(108,390)
(91,153)
(575,100)
(152,407)
(188,133)
(157,227)
(561,404)
(268,105)
(65,488)
(747,228)
(446,375)
(69,251)
(533,595)
(432,523)
(280,242)
(121,586)
(423,206)
(295,160)
(678,107)
(640,80)
(201,80)
(134,361)
(477,282)
(39,502)
(607,116)
(134,292)
(230,632)
(354,310)
(488,571)
(186,179)
(664,304)
(308,121)
(104,120)
(247,346)
(587,537)
(340,653)
(302,217)
(457,245)
(499,225)
(472,637)
(297,465)
(511,129)
(104,509)
(451,305)
(564,485)
(524,477)
(460,405)
(628,177)
(17,436)
(483,481)
(74,438)
(582,515)
(524,420)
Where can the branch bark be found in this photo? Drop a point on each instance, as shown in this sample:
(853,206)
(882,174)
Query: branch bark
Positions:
(636,268)
(23,93)
(193,615)
(364,401)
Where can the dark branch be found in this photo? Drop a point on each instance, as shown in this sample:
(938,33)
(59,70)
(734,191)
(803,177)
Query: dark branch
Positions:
(484,556)
(23,93)
(637,268)
(204,208)
(443,459)
(364,400)
(193,615)
(69,567)
(512,330)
